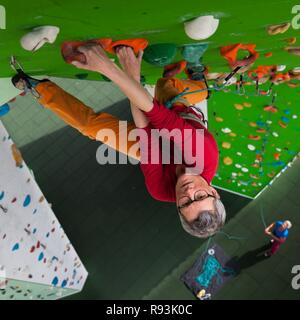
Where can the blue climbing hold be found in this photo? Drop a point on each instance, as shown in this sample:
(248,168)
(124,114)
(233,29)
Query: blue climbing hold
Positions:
(4,109)
(41,256)
(27,201)
(2,195)
(55,281)
(64,283)
(16,247)
(285,119)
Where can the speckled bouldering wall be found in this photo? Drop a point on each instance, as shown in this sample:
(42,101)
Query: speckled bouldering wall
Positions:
(37,260)
(255,145)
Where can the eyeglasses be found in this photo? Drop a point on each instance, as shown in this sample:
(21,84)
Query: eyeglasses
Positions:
(199,195)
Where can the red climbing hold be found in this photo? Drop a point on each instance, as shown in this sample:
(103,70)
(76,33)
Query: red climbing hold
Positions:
(271,108)
(70,53)
(230,53)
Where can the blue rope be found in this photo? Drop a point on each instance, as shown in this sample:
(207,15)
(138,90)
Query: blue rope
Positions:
(262,217)
(169,103)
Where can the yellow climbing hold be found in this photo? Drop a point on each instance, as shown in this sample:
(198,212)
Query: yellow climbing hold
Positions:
(239,106)
(219,119)
(226,145)
(252,124)
(228,161)
(291,40)
(247,104)
(232,134)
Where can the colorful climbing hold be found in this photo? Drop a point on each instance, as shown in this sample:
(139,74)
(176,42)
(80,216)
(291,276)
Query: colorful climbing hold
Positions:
(239,106)
(251,147)
(268,54)
(252,137)
(282,124)
(27,201)
(55,281)
(278,28)
(228,161)
(252,124)
(277,156)
(226,130)
(271,108)
(226,145)
(291,40)
(16,247)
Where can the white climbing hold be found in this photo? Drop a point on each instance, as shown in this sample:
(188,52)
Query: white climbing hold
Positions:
(295,116)
(269,122)
(238,166)
(201,28)
(281,67)
(251,147)
(275,134)
(245,170)
(278,149)
(234,174)
(239,154)
(296,70)
(35,39)
(226,130)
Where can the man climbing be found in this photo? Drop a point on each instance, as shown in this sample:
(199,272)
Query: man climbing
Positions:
(278,232)
(201,212)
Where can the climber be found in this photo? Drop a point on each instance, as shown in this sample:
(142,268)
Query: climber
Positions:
(201,212)
(200,209)
(278,232)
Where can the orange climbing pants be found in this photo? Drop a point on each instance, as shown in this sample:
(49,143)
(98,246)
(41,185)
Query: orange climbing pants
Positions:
(83,118)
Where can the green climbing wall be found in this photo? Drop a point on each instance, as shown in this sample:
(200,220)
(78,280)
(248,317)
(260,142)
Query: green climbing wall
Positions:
(161,22)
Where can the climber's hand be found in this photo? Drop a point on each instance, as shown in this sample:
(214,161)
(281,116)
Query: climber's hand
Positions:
(129,62)
(96,60)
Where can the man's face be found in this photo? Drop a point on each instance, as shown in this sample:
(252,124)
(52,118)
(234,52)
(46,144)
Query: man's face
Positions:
(284,226)
(189,188)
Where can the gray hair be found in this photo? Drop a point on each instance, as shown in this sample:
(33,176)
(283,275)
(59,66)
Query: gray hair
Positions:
(208,222)
(289,224)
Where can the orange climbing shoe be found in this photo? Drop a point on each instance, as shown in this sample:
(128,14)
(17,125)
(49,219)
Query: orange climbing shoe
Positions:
(230,54)
(175,68)
(69,49)
(135,44)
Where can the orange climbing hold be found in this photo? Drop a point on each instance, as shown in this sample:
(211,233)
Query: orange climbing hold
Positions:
(230,53)
(261,130)
(136,44)
(252,137)
(282,124)
(268,54)
(277,156)
(271,108)
(261,72)
(291,40)
(70,53)
(280,77)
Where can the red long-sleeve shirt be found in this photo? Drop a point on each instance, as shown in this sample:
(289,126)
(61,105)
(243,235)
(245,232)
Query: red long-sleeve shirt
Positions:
(161,178)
